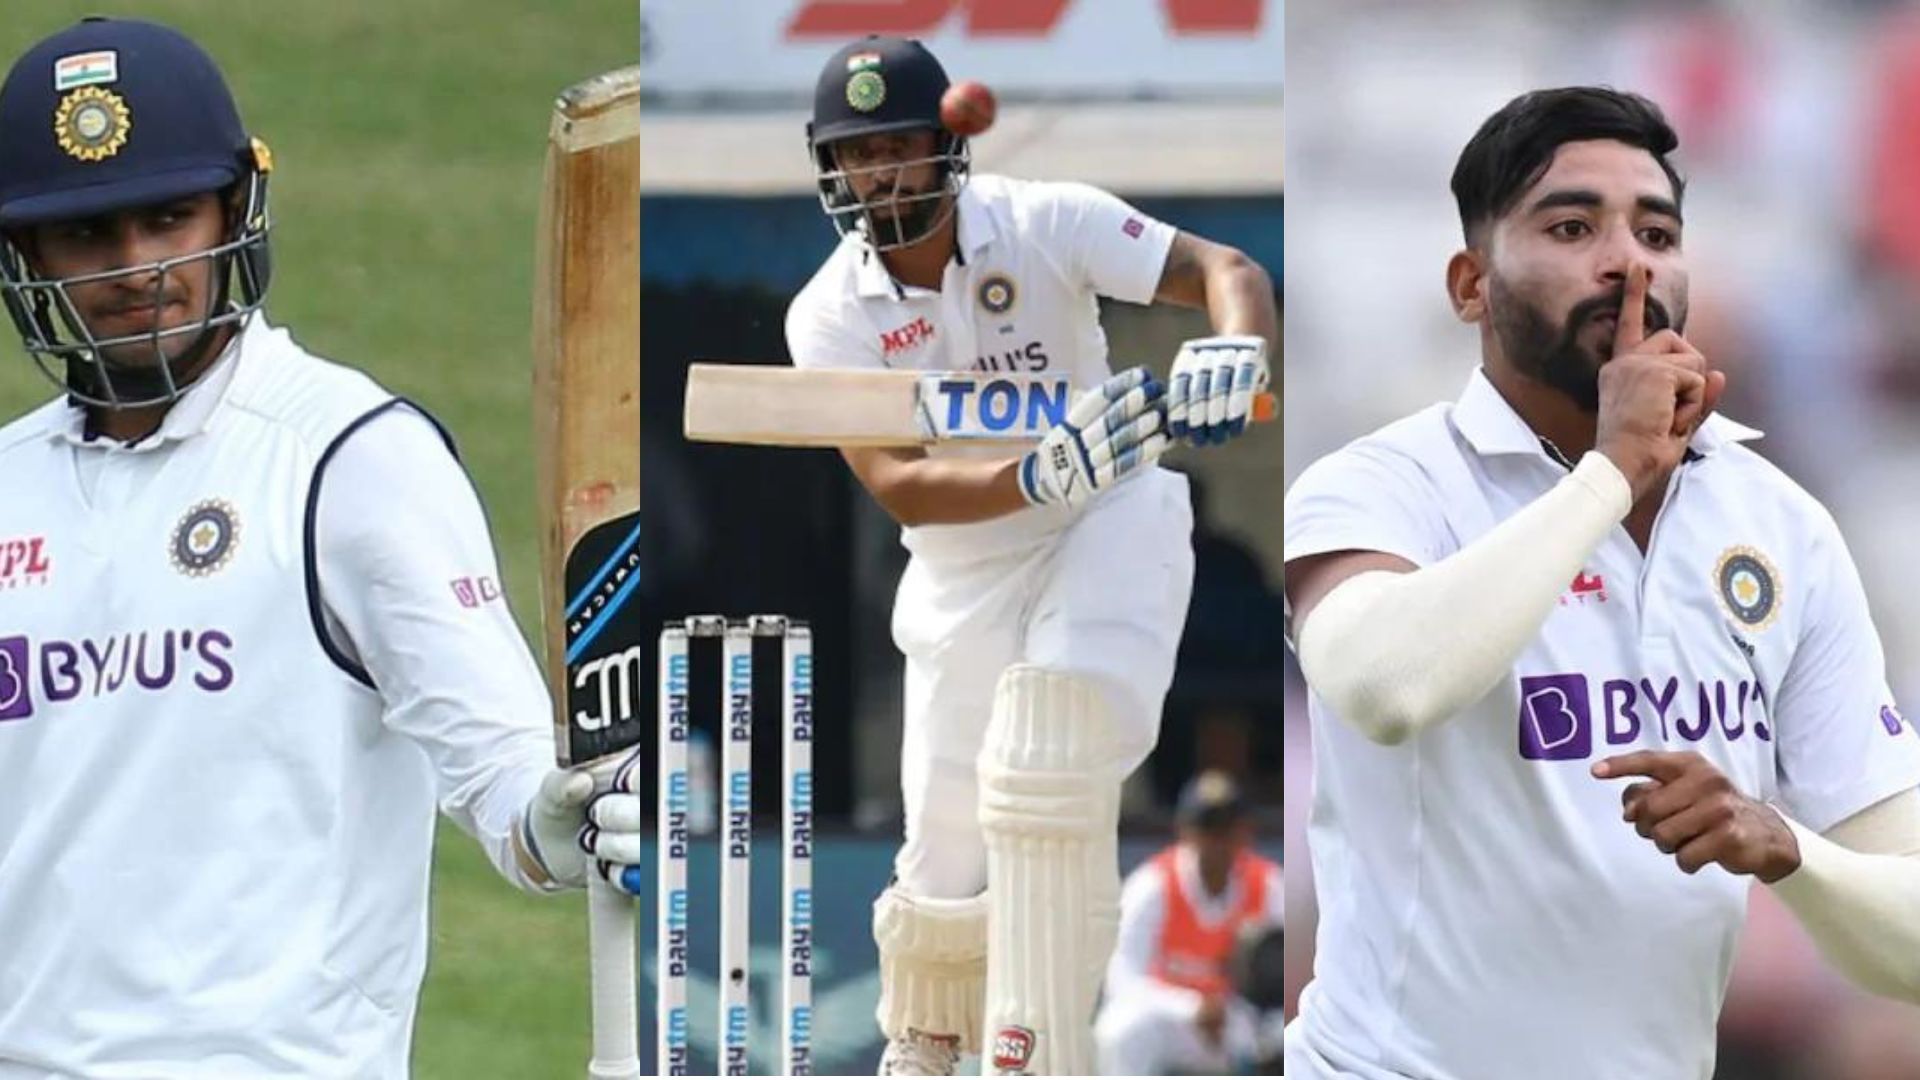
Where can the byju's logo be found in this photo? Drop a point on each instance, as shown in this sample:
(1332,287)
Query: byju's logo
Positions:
(1558,713)
(1556,720)
(15,702)
(101,667)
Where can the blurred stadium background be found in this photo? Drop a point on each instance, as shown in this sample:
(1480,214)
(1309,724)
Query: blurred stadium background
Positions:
(408,140)
(1172,104)
(1803,208)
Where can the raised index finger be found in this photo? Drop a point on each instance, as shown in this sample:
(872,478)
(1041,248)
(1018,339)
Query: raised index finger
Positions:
(1630,328)
(1661,765)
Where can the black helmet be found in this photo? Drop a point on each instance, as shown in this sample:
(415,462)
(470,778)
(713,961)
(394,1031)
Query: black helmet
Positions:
(111,115)
(871,87)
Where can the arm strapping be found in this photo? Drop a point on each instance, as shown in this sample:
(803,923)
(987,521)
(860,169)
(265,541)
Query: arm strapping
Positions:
(1395,654)
(1858,894)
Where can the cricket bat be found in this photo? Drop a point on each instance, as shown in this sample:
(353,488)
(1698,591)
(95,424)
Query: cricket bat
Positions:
(764,405)
(586,401)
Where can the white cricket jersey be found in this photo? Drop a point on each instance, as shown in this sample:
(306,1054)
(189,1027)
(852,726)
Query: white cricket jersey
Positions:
(215,829)
(1020,295)
(1485,914)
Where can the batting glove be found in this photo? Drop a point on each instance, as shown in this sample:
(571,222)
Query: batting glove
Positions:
(583,819)
(1213,384)
(1112,432)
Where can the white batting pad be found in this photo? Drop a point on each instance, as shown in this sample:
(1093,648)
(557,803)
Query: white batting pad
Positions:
(1049,809)
(933,961)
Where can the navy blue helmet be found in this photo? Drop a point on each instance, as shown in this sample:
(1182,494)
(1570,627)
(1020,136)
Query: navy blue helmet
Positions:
(111,115)
(875,86)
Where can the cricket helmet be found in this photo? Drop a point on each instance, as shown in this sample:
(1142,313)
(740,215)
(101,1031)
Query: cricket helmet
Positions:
(1210,802)
(875,86)
(111,115)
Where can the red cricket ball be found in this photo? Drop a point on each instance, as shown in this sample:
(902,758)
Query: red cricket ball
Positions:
(967,108)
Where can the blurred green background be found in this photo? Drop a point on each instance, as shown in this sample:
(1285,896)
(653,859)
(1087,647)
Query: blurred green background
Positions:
(408,138)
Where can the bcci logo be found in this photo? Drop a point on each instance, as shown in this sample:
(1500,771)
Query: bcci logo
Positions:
(205,539)
(866,91)
(997,294)
(92,123)
(1748,587)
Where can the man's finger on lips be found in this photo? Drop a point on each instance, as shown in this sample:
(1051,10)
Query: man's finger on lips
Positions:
(1630,327)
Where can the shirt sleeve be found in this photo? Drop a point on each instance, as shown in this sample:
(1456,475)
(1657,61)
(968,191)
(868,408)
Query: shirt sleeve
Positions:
(1129,972)
(1364,497)
(409,579)
(1112,248)
(819,335)
(1842,744)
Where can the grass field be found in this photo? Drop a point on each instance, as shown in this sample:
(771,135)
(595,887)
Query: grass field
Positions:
(407,137)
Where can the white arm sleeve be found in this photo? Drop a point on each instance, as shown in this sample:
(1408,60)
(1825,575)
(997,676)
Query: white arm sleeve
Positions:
(1858,894)
(1395,654)
(399,522)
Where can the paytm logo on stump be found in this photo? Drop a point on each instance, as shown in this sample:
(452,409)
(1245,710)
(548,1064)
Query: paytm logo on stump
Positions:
(1558,713)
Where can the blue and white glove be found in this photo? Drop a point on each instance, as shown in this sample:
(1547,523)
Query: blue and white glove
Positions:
(1214,381)
(584,818)
(1112,432)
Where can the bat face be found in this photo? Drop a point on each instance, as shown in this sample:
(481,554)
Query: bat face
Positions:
(587,415)
(604,659)
(768,405)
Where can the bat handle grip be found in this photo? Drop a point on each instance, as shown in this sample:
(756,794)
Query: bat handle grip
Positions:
(613,919)
(1266,407)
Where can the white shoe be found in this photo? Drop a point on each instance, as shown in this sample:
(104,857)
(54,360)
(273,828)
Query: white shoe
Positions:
(921,1054)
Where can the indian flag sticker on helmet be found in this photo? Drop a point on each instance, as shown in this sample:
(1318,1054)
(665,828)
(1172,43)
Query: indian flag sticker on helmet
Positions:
(86,69)
(92,123)
(866,90)
(863,61)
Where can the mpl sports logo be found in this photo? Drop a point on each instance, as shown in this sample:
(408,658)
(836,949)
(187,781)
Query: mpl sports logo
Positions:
(1557,713)
(900,339)
(94,668)
(24,561)
(1585,588)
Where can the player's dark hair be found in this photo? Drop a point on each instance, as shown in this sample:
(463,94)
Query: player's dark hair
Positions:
(1514,146)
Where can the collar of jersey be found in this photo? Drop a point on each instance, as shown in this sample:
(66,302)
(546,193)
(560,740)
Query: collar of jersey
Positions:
(189,415)
(1493,428)
(974,232)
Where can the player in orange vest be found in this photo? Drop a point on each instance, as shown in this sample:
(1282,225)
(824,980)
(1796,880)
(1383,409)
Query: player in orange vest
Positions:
(1169,1003)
